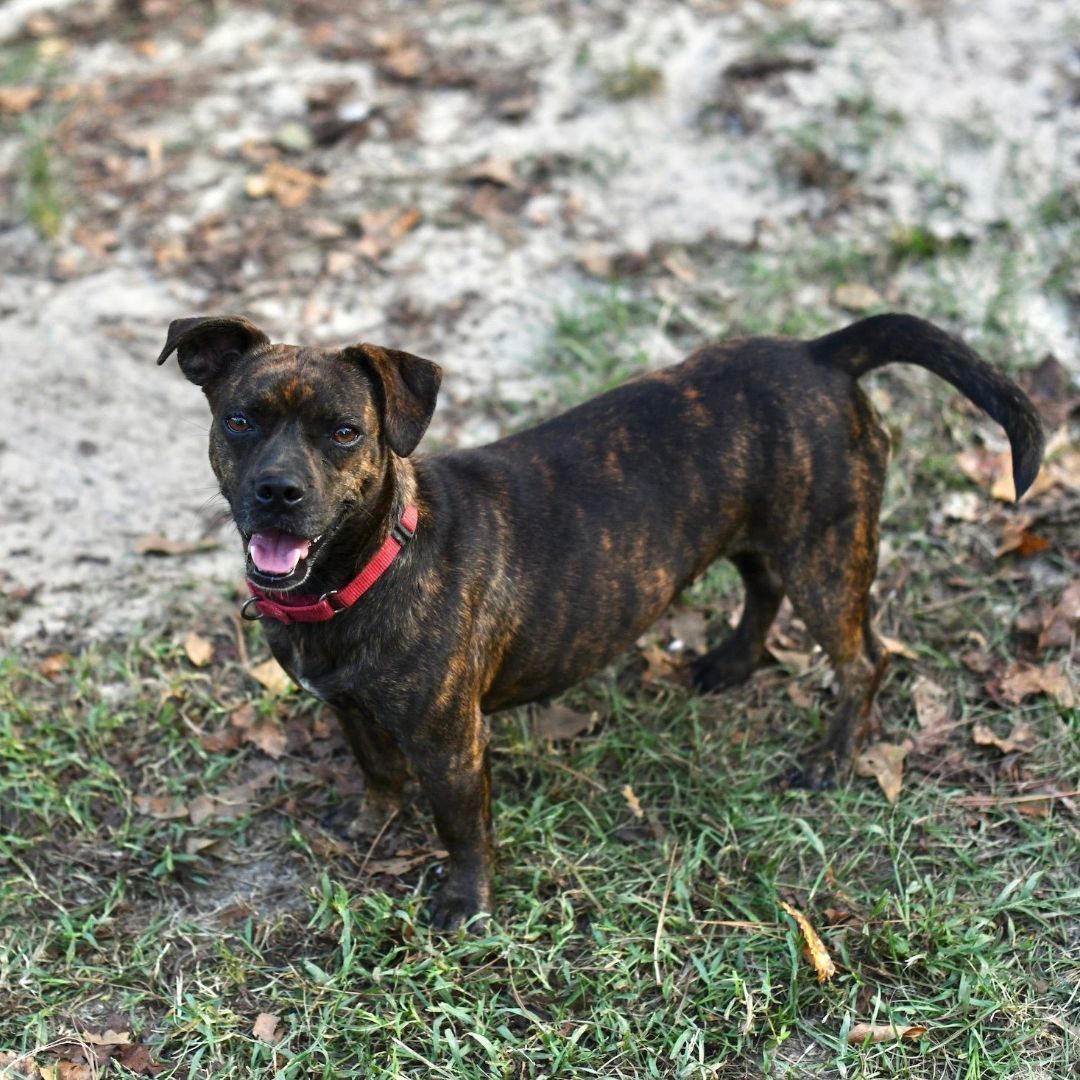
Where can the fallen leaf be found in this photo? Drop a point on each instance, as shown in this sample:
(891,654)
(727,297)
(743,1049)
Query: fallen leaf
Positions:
(289,186)
(17,99)
(53,665)
(931,703)
(560,722)
(895,647)
(854,296)
(885,763)
(1059,625)
(815,947)
(962,506)
(1020,740)
(660,665)
(162,807)
(136,1058)
(633,802)
(688,629)
(799,695)
(268,1028)
(271,675)
(269,736)
(200,809)
(19,1066)
(106,1038)
(382,229)
(398,864)
(220,742)
(199,651)
(404,61)
(1022,680)
(875,1033)
(492,170)
(155,544)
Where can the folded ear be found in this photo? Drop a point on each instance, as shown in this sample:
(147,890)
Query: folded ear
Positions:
(408,385)
(204,345)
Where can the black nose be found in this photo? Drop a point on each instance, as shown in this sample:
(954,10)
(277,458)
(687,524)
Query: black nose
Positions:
(280,492)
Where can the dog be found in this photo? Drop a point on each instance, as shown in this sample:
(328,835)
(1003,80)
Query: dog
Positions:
(416,595)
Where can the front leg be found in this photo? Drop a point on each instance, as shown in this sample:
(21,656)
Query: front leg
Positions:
(451,761)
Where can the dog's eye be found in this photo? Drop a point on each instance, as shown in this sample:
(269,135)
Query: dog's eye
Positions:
(345,435)
(237,423)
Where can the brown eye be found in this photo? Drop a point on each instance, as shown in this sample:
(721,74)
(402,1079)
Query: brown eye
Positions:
(237,423)
(345,435)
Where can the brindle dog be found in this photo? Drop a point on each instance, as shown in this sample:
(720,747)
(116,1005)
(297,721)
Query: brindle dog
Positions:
(540,557)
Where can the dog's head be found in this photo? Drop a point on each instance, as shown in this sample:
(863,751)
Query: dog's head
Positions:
(302,439)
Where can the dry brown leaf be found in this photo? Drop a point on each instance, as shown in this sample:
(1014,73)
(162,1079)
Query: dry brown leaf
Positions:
(19,1066)
(660,665)
(1019,741)
(289,186)
(154,544)
(106,1038)
(815,947)
(74,1070)
(199,651)
(382,229)
(269,736)
(163,807)
(931,703)
(633,802)
(855,296)
(268,1028)
(895,647)
(1059,625)
(799,695)
(53,665)
(688,629)
(560,722)
(136,1058)
(493,170)
(398,864)
(17,99)
(271,675)
(404,61)
(876,1033)
(1022,680)
(885,763)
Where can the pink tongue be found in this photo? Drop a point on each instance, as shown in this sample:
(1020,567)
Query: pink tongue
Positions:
(277,552)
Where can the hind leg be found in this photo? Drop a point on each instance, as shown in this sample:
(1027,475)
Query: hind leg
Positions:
(828,580)
(828,576)
(735,658)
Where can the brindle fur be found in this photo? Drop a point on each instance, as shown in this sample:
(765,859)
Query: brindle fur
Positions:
(540,557)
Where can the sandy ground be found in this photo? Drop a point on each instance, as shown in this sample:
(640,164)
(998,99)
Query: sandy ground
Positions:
(461,172)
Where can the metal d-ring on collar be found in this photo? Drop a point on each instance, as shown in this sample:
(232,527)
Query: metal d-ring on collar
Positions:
(244,610)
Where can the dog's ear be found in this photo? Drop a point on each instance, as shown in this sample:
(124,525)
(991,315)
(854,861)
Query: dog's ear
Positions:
(409,386)
(205,344)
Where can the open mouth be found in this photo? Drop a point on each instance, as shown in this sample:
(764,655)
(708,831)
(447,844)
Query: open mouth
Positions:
(279,559)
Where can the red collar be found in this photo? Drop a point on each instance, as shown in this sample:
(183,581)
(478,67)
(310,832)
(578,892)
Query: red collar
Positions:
(307,610)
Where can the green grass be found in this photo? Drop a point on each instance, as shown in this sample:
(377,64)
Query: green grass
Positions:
(620,947)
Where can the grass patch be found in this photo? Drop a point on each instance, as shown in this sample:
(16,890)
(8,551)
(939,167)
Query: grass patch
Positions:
(621,948)
(634,81)
(42,201)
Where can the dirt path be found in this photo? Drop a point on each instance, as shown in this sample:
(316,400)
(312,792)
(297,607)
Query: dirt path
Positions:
(446,177)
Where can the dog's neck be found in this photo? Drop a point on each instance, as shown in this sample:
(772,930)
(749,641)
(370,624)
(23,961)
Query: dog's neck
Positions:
(363,533)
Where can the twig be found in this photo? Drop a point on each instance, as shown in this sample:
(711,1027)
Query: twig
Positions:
(375,843)
(663,915)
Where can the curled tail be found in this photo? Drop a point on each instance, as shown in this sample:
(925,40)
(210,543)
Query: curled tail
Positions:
(887,339)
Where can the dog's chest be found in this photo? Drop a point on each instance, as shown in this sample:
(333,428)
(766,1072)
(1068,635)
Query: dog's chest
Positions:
(328,669)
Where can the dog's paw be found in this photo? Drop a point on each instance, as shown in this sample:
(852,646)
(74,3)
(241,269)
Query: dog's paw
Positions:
(456,906)
(818,771)
(720,670)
